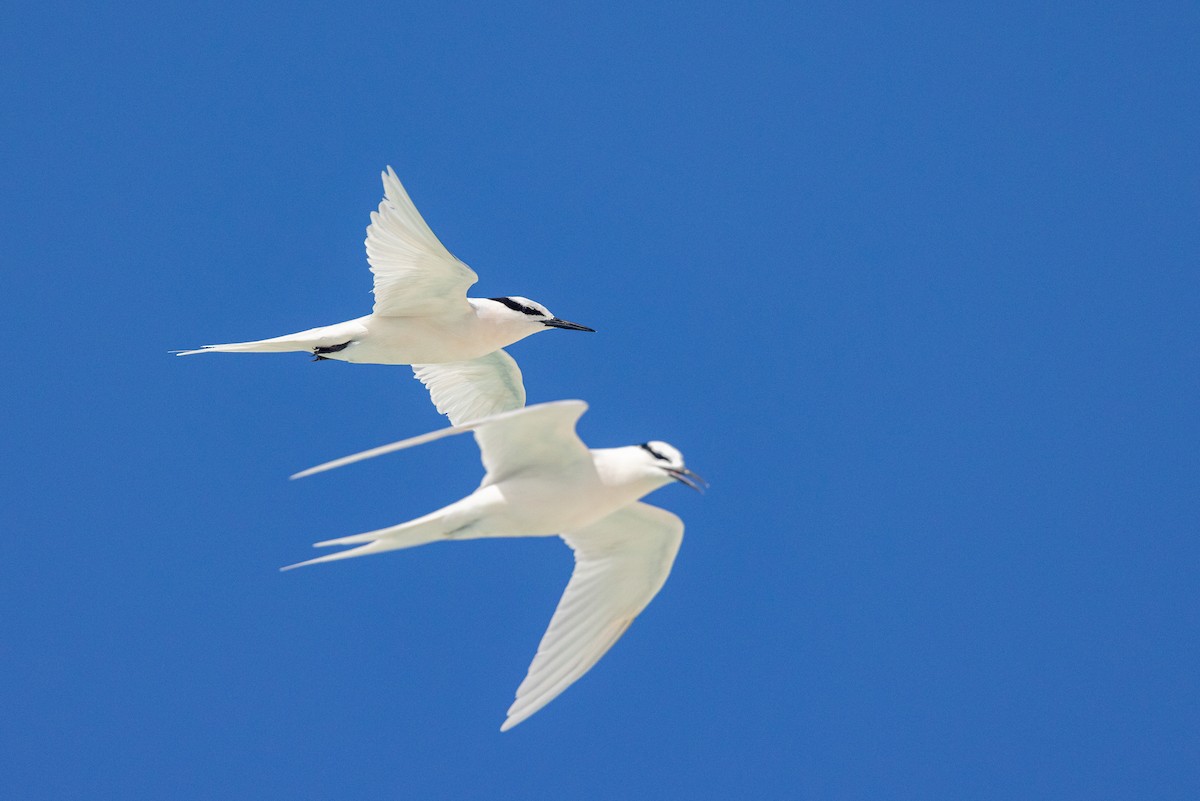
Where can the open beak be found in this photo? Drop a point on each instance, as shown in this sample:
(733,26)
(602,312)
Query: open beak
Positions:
(685,476)
(554,322)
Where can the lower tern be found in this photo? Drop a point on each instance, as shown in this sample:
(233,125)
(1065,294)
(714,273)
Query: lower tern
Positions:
(540,481)
(423,317)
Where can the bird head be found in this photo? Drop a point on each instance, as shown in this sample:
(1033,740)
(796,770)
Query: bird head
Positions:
(521,310)
(665,459)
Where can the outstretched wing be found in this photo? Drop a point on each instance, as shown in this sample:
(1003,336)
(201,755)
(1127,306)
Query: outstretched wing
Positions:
(542,434)
(473,389)
(621,562)
(414,273)
(546,440)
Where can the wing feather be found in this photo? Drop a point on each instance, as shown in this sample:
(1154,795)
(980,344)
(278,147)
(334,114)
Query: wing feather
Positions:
(414,273)
(475,389)
(621,562)
(543,440)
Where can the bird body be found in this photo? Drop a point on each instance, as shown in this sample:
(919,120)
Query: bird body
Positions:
(480,327)
(422,317)
(540,501)
(543,481)
(540,479)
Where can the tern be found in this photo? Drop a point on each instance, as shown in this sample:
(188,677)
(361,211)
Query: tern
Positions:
(541,481)
(423,317)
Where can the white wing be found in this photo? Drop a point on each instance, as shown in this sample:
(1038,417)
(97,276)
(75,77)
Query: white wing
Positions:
(621,562)
(516,442)
(542,434)
(474,389)
(414,273)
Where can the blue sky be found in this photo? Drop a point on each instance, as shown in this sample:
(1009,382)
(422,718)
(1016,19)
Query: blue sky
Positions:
(916,289)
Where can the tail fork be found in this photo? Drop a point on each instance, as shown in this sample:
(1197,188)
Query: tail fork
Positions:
(421,531)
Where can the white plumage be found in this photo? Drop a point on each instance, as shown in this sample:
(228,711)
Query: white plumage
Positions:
(541,480)
(423,317)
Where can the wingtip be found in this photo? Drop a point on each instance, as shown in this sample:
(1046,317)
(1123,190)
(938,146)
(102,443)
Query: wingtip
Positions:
(515,716)
(321,468)
(326,558)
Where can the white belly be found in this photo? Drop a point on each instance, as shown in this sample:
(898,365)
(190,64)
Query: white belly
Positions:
(422,340)
(540,504)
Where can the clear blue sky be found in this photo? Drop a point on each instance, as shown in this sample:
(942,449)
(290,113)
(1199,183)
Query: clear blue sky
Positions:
(916,289)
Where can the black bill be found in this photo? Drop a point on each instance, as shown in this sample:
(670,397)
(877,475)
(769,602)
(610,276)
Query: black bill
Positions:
(554,322)
(685,476)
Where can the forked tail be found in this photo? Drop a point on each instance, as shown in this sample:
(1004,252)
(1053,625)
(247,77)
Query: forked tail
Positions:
(423,530)
(327,336)
(284,344)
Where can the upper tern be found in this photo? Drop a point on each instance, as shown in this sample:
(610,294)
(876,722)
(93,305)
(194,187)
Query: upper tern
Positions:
(541,480)
(423,317)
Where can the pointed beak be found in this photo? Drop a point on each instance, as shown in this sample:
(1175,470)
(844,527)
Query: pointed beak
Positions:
(685,476)
(554,322)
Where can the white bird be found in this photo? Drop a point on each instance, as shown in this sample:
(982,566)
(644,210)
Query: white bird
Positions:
(423,317)
(541,480)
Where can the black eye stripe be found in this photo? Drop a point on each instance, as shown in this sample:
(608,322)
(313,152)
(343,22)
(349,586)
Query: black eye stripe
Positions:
(515,306)
(646,447)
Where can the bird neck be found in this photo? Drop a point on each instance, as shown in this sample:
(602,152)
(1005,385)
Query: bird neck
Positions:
(623,470)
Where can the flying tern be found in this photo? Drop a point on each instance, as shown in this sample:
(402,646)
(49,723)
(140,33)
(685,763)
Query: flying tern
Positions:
(540,481)
(423,317)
